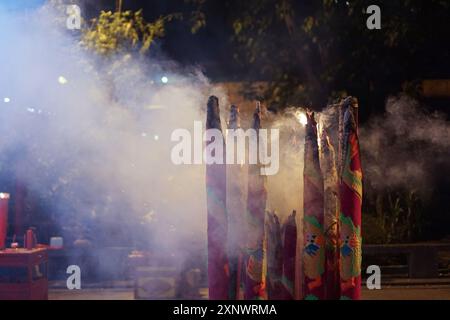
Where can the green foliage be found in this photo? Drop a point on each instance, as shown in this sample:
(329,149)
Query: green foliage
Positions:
(197,17)
(118,32)
(393,217)
(315,51)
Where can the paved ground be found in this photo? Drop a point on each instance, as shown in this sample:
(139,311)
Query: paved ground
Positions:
(91,294)
(416,292)
(433,292)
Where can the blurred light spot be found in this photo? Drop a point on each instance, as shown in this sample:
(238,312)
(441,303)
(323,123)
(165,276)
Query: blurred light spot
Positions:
(31,110)
(301,117)
(164,79)
(62,80)
(144,134)
(156,137)
(4,195)
(149,217)
(6,100)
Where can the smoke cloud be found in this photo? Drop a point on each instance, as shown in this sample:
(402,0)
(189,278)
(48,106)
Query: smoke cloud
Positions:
(404,147)
(90,139)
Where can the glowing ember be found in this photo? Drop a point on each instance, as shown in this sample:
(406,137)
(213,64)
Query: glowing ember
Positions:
(301,117)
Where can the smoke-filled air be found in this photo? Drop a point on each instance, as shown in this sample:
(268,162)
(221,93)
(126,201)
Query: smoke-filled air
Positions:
(86,140)
(94,147)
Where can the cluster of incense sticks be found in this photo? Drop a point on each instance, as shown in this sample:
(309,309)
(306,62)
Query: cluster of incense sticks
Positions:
(332,209)
(251,255)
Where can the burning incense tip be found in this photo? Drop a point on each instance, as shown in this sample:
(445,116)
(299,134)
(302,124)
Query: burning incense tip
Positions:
(301,117)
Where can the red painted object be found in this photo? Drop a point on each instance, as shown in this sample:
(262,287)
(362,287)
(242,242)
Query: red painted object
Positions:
(23,274)
(4,199)
(313,232)
(29,239)
(350,193)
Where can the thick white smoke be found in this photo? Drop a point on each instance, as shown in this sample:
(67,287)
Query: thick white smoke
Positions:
(404,147)
(95,148)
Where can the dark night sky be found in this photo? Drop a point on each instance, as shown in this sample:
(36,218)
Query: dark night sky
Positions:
(211,47)
(208,49)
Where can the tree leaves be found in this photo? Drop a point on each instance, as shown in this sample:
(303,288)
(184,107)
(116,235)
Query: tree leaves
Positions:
(119,32)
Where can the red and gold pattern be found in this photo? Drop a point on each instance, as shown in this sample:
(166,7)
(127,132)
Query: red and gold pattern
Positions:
(331,216)
(350,193)
(313,233)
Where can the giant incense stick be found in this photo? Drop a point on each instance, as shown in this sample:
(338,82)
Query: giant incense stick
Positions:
(350,194)
(289,254)
(274,257)
(256,206)
(313,233)
(236,213)
(331,214)
(218,277)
